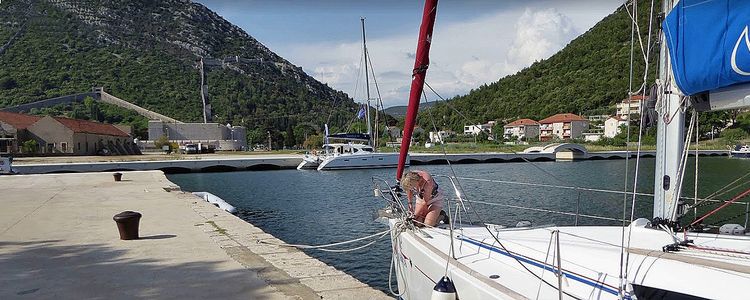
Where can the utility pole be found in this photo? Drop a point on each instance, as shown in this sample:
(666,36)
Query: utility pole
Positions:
(216,62)
(269,140)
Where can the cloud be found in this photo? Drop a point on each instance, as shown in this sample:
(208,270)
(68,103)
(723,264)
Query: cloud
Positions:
(539,34)
(464,55)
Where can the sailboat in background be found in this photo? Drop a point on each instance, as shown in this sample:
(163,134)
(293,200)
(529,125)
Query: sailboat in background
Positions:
(352,154)
(660,258)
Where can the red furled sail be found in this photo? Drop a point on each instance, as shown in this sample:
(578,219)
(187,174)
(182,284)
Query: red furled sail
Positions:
(421,62)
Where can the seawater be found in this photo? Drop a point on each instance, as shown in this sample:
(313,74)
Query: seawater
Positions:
(311,207)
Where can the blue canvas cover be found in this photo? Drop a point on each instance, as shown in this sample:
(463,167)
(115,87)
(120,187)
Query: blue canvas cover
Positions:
(709,44)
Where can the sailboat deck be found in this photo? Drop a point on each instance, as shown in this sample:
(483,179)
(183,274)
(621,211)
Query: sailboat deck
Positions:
(590,258)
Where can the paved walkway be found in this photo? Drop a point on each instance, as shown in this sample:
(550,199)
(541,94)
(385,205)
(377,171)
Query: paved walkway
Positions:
(58,240)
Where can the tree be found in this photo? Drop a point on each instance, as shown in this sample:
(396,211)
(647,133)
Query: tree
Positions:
(29,146)
(313,142)
(733,136)
(92,108)
(162,141)
(289,139)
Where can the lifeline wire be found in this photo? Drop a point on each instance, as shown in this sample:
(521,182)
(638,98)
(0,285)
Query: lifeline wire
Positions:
(480,218)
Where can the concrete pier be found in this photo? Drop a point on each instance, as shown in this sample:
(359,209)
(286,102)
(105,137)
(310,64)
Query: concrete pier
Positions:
(58,240)
(223,163)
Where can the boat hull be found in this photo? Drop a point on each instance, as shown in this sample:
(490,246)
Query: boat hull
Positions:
(482,269)
(740,154)
(360,161)
(309,163)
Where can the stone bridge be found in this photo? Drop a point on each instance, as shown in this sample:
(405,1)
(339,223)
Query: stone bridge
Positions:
(562,151)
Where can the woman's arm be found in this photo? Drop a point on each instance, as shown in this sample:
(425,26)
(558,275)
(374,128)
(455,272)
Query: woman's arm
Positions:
(409,197)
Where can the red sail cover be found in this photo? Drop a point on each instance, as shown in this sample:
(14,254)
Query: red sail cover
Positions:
(421,62)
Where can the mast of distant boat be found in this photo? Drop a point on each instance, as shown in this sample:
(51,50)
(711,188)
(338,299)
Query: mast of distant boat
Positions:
(367,83)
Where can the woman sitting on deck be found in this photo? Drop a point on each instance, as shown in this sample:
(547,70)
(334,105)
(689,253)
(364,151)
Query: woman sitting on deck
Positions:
(429,201)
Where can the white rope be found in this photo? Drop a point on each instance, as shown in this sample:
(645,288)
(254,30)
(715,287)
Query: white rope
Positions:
(683,164)
(379,235)
(545,210)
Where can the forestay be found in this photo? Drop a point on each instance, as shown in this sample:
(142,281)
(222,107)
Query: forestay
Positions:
(709,44)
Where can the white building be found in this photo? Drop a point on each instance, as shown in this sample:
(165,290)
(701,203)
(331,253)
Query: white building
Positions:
(438,137)
(630,106)
(562,126)
(612,126)
(526,129)
(476,129)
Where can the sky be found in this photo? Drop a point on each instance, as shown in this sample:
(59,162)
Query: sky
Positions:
(475,42)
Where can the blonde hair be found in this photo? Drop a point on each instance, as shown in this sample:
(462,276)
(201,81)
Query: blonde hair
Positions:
(411,180)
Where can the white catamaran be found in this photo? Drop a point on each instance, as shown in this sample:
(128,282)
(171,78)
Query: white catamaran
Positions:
(661,258)
(352,155)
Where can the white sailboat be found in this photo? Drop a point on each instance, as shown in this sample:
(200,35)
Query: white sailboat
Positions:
(352,155)
(646,259)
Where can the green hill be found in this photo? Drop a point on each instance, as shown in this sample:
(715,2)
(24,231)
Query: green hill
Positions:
(146,52)
(589,74)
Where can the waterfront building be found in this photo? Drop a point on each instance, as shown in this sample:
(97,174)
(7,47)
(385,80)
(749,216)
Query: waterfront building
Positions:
(476,129)
(55,135)
(630,106)
(439,137)
(612,126)
(220,137)
(13,131)
(562,126)
(521,129)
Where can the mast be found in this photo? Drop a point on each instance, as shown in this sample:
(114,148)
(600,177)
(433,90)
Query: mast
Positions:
(421,62)
(670,136)
(367,83)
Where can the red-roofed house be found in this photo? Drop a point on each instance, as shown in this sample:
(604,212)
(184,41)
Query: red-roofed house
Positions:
(562,126)
(525,129)
(13,130)
(630,106)
(57,135)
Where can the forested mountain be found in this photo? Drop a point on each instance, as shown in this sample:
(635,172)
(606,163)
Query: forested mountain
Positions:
(146,52)
(588,75)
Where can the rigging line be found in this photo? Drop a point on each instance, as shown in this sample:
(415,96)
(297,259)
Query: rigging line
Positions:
(458,182)
(546,255)
(695,180)
(546,210)
(714,194)
(442,144)
(641,109)
(633,26)
(377,91)
(733,188)
(634,20)
(533,164)
(683,164)
(356,86)
(574,188)
(734,199)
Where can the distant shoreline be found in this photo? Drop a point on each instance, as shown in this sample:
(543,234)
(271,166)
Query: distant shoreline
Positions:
(267,161)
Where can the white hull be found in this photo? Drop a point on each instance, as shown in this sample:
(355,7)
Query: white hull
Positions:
(309,162)
(591,265)
(366,160)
